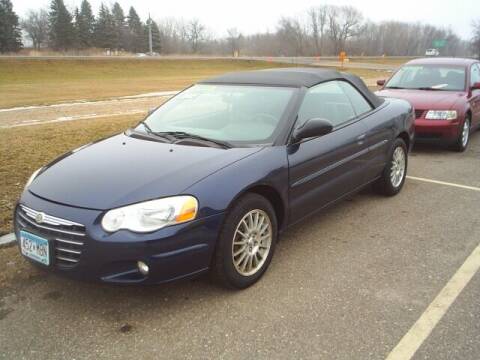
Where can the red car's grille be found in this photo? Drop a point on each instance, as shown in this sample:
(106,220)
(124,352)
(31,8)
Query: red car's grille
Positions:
(419,114)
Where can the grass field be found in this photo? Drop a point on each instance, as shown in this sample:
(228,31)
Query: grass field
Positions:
(397,61)
(45,143)
(34,82)
(26,82)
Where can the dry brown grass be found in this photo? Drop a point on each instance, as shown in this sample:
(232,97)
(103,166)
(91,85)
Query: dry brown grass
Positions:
(24,149)
(396,61)
(26,82)
(43,81)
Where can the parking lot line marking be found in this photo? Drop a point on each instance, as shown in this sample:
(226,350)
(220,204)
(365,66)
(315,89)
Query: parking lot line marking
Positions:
(422,328)
(444,183)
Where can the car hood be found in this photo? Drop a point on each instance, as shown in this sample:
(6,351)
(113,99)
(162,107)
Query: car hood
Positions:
(122,170)
(424,99)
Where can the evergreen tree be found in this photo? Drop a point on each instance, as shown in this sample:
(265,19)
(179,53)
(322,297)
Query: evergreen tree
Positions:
(156,38)
(105,29)
(85,25)
(10,35)
(119,26)
(136,32)
(76,15)
(61,28)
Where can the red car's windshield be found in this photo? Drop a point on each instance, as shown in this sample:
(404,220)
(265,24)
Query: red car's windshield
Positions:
(429,77)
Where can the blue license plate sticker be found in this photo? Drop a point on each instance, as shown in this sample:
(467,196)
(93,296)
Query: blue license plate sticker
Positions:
(35,247)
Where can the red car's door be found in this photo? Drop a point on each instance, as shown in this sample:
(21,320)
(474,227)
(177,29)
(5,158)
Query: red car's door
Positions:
(475,94)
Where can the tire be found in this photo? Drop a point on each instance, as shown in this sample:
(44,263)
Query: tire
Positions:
(229,268)
(464,137)
(391,184)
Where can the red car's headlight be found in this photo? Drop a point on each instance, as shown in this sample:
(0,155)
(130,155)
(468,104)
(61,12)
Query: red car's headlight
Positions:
(441,115)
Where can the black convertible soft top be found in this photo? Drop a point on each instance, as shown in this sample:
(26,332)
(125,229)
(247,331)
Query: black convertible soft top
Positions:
(294,77)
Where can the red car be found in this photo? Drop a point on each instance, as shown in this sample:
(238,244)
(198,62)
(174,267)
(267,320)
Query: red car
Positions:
(445,93)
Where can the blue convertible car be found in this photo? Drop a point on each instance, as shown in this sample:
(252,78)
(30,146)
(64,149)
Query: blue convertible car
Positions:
(209,179)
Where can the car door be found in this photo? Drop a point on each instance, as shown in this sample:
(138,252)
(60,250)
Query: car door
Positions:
(377,131)
(475,94)
(323,169)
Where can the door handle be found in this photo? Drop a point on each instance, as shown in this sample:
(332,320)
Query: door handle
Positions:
(361,139)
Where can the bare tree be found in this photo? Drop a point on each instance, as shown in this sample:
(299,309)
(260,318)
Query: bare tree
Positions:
(35,25)
(476,38)
(196,33)
(318,21)
(321,30)
(292,36)
(344,22)
(234,41)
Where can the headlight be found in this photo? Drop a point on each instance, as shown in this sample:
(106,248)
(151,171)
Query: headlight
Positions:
(441,115)
(32,177)
(151,215)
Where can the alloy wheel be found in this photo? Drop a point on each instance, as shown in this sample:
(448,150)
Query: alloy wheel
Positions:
(251,242)
(465,132)
(397,171)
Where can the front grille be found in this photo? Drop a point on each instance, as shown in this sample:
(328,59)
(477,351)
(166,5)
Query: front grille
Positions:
(68,237)
(419,114)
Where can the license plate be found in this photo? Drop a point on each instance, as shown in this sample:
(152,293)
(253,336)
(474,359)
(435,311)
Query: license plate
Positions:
(35,247)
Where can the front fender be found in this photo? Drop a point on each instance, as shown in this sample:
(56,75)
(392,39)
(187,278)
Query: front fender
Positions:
(217,192)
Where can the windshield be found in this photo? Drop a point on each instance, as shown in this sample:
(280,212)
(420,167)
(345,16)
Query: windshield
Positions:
(434,77)
(237,114)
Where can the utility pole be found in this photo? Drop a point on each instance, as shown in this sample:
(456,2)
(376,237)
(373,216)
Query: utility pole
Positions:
(150,45)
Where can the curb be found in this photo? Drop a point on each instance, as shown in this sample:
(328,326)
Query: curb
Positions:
(7,240)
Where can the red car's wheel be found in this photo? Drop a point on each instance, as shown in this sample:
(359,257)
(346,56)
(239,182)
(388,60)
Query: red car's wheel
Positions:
(464,136)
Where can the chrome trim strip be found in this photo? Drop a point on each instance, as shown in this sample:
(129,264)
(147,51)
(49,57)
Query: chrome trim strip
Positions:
(377,145)
(329,168)
(69,251)
(71,242)
(49,219)
(66,259)
(22,224)
(337,164)
(34,224)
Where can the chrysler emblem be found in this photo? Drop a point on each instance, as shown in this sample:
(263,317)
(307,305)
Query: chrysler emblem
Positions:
(39,217)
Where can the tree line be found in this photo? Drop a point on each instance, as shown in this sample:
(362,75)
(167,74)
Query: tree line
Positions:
(110,28)
(323,30)
(328,29)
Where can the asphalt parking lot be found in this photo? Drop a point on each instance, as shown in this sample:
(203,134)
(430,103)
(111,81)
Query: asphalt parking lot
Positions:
(348,283)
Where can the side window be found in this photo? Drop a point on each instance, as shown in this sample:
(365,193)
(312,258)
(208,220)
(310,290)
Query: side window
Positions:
(475,74)
(360,105)
(326,101)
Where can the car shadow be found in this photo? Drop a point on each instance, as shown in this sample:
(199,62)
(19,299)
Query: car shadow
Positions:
(436,148)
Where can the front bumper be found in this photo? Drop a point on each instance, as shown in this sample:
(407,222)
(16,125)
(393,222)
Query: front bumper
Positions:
(442,130)
(90,253)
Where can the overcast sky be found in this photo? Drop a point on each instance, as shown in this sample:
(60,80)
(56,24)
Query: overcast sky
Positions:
(251,16)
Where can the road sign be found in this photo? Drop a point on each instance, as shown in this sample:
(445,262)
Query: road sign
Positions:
(342,56)
(439,43)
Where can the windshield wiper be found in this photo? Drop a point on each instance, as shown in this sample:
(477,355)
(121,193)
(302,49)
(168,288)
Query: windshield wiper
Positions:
(185,135)
(150,132)
(395,87)
(147,135)
(145,125)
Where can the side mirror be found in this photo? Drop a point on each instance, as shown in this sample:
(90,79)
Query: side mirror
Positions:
(476,86)
(381,82)
(313,128)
